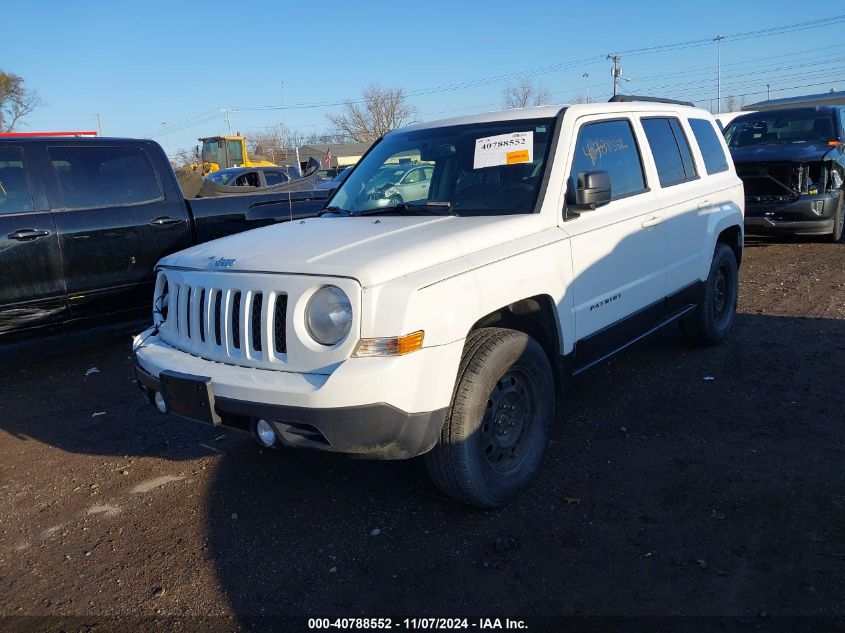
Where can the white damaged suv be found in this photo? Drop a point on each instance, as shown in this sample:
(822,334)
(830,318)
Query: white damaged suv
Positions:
(549,238)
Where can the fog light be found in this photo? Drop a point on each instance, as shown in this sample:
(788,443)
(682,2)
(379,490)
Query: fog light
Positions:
(264,433)
(818,207)
(159,400)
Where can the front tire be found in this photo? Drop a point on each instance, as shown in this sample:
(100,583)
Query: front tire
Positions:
(713,318)
(495,435)
(838,220)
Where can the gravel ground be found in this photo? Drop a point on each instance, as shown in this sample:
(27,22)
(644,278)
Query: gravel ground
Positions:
(696,482)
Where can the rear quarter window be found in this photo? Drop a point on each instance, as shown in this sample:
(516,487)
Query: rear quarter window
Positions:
(707,138)
(95,177)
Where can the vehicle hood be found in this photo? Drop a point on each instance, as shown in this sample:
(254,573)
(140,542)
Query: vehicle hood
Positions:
(371,249)
(792,152)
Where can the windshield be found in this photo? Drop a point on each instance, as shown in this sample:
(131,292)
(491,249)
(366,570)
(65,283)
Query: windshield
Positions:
(476,169)
(211,151)
(793,126)
(218,177)
(342,174)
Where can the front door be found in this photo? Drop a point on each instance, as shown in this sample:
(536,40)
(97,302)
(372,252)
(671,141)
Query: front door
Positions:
(32,292)
(114,223)
(618,250)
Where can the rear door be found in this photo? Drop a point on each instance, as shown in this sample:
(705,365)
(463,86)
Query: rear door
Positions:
(687,196)
(116,217)
(32,292)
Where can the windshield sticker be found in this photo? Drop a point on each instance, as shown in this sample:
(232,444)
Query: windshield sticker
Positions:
(504,149)
(596,149)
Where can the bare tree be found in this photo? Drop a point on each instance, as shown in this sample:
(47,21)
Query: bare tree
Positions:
(274,143)
(379,111)
(525,94)
(580,99)
(16,101)
(186,157)
(730,103)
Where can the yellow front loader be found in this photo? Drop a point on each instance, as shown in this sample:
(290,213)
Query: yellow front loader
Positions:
(220,152)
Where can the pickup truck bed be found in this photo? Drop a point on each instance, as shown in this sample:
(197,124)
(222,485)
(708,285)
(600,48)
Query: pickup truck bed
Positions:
(83,221)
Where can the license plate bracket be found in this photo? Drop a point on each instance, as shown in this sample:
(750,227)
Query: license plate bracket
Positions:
(189,396)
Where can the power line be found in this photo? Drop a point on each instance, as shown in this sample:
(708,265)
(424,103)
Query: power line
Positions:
(210,115)
(777,30)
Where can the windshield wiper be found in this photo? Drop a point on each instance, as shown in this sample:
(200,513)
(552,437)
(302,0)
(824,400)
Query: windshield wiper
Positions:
(429,208)
(336,210)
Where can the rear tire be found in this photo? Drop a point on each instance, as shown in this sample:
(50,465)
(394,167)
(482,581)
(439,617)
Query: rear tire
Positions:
(495,435)
(713,318)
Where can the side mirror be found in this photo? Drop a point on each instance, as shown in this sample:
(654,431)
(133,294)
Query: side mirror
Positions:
(592,189)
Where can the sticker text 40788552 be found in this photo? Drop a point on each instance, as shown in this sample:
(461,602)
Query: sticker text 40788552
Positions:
(504,149)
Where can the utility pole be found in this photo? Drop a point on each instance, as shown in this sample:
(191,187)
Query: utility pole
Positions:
(616,72)
(166,138)
(768,92)
(718,39)
(99,127)
(586,76)
(228,123)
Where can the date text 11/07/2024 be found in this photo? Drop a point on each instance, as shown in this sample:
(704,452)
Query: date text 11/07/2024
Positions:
(357,624)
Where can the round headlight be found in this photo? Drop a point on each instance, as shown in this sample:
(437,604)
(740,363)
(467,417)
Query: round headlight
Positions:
(328,315)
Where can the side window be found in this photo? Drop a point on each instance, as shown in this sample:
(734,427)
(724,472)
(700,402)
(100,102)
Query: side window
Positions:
(412,177)
(670,150)
(708,142)
(249,179)
(609,146)
(274,178)
(15,196)
(236,154)
(684,148)
(428,172)
(93,177)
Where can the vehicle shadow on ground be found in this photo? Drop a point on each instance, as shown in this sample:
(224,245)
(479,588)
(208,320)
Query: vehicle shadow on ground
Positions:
(678,481)
(88,377)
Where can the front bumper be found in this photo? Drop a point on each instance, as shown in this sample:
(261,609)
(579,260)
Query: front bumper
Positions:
(809,215)
(383,408)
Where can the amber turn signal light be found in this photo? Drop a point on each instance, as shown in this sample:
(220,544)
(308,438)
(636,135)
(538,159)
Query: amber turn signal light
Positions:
(390,346)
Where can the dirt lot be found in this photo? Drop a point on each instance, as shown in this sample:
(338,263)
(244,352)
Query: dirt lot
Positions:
(698,482)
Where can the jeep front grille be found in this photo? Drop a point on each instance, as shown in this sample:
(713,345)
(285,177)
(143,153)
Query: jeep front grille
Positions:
(279,325)
(248,319)
(228,324)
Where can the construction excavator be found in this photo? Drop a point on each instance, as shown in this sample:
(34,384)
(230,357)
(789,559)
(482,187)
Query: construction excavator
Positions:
(221,152)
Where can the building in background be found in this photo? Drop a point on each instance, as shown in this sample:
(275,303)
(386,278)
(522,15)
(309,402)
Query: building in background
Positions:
(332,155)
(824,98)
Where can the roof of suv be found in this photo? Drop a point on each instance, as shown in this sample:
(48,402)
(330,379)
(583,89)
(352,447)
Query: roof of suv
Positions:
(547,112)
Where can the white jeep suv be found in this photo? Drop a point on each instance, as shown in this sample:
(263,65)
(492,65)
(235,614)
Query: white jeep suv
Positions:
(549,238)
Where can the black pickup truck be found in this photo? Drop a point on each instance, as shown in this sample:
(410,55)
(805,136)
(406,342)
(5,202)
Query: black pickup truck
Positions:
(83,221)
(792,162)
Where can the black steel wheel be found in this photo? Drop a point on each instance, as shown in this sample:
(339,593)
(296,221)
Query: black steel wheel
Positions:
(710,322)
(495,436)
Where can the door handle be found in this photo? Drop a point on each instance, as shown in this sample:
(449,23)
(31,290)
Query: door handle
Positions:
(703,204)
(652,222)
(165,221)
(25,235)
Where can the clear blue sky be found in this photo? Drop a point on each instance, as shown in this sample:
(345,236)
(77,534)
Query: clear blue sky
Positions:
(141,64)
